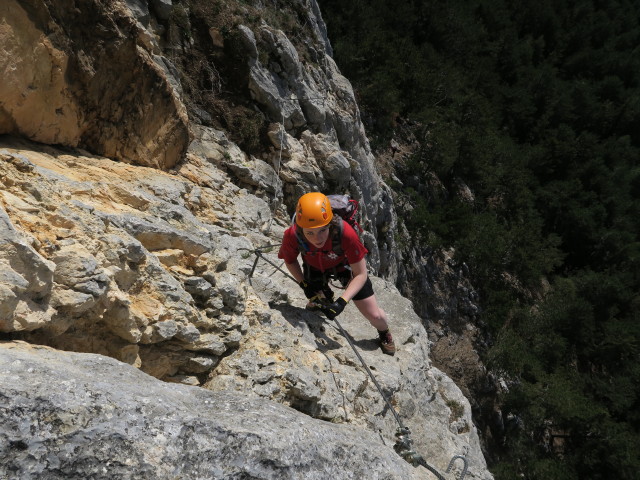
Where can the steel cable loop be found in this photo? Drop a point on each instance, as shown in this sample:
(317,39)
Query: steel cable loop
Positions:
(422,461)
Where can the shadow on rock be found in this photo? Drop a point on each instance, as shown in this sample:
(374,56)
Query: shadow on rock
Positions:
(300,318)
(368,345)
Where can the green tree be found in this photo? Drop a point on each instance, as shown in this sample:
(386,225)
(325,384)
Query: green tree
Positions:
(535,106)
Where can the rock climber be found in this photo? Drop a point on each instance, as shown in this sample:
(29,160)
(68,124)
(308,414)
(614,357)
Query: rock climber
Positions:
(331,248)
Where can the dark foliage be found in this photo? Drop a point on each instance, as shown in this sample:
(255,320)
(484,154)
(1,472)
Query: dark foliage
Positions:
(536,107)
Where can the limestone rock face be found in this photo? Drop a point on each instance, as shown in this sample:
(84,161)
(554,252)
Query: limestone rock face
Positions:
(94,84)
(117,422)
(109,258)
(303,360)
(159,270)
(319,140)
(146,241)
(26,278)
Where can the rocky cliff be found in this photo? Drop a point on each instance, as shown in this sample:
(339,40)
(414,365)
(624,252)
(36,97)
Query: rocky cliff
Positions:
(150,157)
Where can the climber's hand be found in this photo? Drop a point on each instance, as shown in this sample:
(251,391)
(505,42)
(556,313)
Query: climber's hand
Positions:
(335,309)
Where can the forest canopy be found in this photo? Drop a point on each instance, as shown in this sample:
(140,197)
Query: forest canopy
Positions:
(536,107)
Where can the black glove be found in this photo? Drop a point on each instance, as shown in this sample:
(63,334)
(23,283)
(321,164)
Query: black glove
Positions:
(309,292)
(335,309)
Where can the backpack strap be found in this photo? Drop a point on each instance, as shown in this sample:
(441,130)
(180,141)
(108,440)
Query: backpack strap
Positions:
(336,238)
(303,246)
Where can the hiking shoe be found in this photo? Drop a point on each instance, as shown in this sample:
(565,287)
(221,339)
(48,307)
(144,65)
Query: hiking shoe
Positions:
(386,343)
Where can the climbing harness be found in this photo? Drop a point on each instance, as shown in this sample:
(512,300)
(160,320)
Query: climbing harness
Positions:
(404,444)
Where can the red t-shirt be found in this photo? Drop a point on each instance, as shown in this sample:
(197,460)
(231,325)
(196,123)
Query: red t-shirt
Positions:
(323,258)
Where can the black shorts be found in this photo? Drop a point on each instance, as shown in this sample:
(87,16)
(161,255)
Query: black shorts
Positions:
(320,280)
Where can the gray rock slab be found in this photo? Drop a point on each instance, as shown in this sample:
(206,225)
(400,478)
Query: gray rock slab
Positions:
(76,416)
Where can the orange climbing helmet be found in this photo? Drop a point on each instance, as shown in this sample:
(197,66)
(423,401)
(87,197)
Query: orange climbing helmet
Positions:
(313,210)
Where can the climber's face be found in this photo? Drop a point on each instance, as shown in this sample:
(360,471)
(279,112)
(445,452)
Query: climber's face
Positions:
(316,236)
